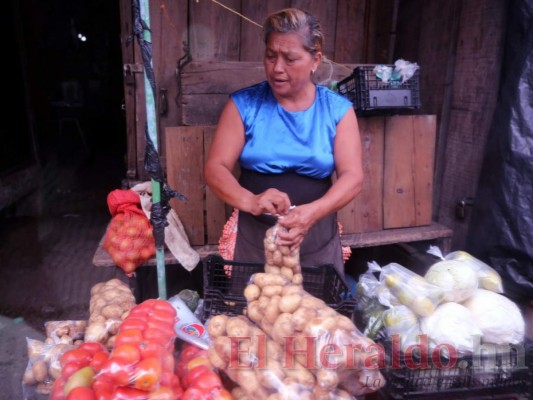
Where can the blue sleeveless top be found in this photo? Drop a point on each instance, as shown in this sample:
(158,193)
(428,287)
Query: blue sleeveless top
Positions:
(278,141)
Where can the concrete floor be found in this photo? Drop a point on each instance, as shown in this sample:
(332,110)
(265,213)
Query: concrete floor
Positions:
(45,259)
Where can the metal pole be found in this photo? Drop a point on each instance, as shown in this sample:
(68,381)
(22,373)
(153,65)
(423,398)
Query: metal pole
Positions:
(151,123)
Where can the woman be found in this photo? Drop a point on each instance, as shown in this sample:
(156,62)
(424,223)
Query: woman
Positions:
(289,136)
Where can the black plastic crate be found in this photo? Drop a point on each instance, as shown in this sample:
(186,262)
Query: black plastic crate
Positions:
(367,92)
(223,293)
(505,373)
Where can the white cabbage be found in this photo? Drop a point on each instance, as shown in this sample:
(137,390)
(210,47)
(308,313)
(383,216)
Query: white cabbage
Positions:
(451,324)
(499,319)
(458,281)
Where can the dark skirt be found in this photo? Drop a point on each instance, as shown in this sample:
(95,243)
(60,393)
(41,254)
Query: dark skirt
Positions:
(322,243)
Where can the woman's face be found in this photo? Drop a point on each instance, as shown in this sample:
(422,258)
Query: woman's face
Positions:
(288,65)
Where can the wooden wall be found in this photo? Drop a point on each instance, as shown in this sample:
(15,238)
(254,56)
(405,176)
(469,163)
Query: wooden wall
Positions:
(457,43)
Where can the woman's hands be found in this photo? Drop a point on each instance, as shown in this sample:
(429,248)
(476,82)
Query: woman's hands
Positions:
(271,201)
(297,222)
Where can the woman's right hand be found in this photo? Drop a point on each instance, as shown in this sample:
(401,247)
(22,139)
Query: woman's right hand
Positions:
(271,201)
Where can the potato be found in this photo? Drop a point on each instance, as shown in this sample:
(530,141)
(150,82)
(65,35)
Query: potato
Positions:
(271,376)
(254,312)
(287,273)
(274,350)
(282,327)
(298,279)
(237,326)
(54,370)
(277,258)
(263,302)
(96,332)
(301,375)
(272,310)
(222,345)
(251,292)
(215,359)
(301,317)
(291,289)
(66,339)
(112,311)
(28,378)
(108,295)
(44,388)
(327,378)
(313,302)
(96,288)
(290,303)
(263,279)
(272,269)
(270,291)
(291,262)
(39,370)
(320,326)
(247,379)
(35,348)
(217,325)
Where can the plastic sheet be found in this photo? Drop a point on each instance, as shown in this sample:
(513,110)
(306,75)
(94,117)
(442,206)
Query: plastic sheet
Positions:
(501,230)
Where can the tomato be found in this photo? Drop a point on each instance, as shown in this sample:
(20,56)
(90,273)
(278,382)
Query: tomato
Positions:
(164,316)
(117,371)
(181,369)
(147,374)
(163,393)
(163,305)
(195,362)
(58,389)
(158,336)
(164,327)
(167,362)
(193,393)
(221,394)
(207,381)
(127,353)
(132,323)
(99,359)
(79,356)
(150,349)
(68,369)
(81,393)
(102,384)
(166,378)
(92,347)
(129,393)
(129,336)
(188,352)
(193,374)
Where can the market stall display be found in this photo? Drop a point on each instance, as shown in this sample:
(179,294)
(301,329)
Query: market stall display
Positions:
(467,340)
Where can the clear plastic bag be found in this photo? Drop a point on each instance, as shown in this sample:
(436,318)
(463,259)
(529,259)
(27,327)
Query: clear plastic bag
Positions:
(411,289)
(110,303)
(488,278)
(66,332)
(305,327)
(260,366)
(43,366)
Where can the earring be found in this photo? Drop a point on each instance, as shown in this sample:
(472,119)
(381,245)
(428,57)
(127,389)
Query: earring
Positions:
(313,71)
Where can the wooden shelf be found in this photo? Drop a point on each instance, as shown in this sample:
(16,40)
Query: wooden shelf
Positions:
(434,231)
(437,232)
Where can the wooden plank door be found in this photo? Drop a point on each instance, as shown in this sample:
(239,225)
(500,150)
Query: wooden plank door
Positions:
(408,170)
(365,212)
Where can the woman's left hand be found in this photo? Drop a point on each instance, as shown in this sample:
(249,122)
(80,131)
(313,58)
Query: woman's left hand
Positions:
(297,222)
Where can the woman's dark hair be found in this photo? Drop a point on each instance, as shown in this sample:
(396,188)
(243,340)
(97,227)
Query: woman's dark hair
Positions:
(294,20)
